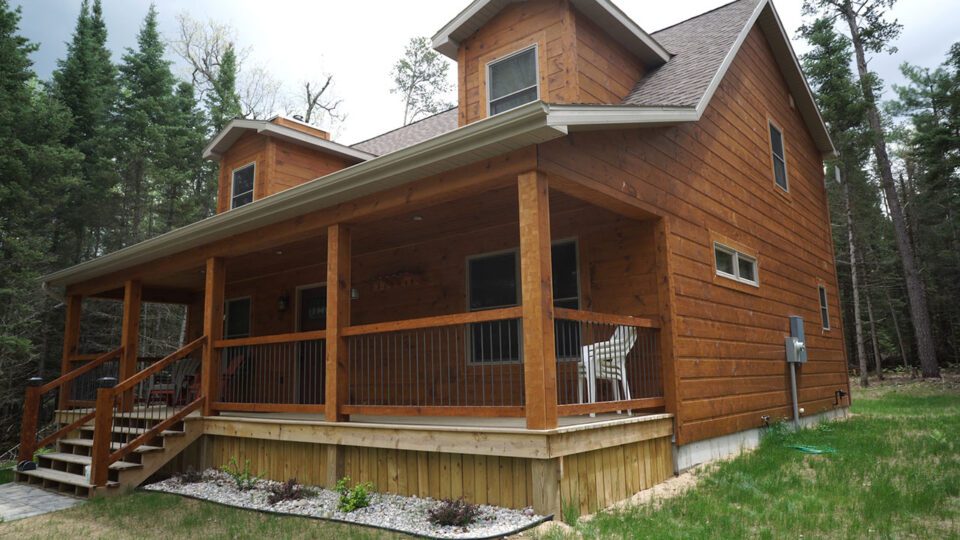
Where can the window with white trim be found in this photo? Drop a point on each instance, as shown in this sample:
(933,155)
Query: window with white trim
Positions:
(824,308)
(779,157)
(512,81)
(735,265)
(242,186)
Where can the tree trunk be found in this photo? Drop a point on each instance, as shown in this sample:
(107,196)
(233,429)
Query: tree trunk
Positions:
(919,313)
(877,359)
(861,353)
(896,327)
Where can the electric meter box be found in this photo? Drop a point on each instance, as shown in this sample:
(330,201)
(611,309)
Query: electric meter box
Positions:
(796,344)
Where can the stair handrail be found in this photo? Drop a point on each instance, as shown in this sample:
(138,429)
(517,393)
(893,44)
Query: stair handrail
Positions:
(101,456)
(33,398)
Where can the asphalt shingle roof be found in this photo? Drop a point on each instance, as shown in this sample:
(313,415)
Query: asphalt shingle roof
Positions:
(410,134)
(699,46)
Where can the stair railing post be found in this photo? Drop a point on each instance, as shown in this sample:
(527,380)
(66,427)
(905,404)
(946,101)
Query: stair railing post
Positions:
(102,437)
(28,427)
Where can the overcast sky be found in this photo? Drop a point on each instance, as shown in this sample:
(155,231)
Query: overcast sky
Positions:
(359,40)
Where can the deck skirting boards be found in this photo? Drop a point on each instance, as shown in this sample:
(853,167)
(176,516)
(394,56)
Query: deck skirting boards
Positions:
(696,453)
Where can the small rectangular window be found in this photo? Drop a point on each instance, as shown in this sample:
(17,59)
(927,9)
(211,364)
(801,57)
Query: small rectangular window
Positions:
(824,309)
(735,265)
(513,81)
(779,157)
(242,186)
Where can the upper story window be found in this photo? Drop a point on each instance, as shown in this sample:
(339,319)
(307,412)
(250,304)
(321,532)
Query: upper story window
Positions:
(735,265)
(778,156)
(512,81)
(242,185)
(824,308)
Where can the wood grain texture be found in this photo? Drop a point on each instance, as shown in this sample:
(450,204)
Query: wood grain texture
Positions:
(215,277)
(338,317)
(710,179)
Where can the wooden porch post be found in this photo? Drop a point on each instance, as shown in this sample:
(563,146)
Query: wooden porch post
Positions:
(71,341)
(130,336)
(338,316)
(668,328)
(539,351)
(215,281)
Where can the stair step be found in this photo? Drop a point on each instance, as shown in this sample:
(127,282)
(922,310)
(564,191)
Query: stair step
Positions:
(135,431)
(85,460)
(62,477)
(142,449)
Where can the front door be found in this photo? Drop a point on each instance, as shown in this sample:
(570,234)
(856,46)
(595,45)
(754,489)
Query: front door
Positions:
(311,355)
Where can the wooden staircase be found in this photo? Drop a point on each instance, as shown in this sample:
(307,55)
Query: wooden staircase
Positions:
(67,469)
(119,443)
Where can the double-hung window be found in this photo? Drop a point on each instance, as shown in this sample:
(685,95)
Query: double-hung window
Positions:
(735,265)
(242,185)
(779,157)
(512,81)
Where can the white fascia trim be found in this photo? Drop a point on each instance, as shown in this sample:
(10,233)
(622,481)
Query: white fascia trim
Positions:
(337,186)
(573,116)
(294,135)
(270,129)
(732,53)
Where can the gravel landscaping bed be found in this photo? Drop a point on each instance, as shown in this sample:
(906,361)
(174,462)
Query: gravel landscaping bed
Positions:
(388,511)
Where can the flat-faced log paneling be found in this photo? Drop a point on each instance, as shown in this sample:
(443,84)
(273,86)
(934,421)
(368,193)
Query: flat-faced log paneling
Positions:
(606,72)
(713,180)
(296,164)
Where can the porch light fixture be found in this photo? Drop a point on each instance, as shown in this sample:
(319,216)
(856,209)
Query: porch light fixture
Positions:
(283,302)
(418,217)
(354,294)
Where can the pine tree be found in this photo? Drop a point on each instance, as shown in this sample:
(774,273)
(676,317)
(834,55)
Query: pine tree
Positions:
(223,101)
(85,82)
(35,170)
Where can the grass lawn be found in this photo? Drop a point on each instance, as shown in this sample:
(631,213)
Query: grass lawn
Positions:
(895,474)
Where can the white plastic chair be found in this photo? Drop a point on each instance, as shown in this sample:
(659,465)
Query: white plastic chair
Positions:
(606,360)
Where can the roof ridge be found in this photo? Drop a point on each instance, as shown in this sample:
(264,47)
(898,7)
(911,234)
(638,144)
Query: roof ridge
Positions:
(404,126)
(697,16)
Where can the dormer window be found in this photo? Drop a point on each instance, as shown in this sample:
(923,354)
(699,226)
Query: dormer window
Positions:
(512,81)
(242,186)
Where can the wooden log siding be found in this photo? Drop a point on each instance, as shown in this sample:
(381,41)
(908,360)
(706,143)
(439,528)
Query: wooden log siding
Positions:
(713,177)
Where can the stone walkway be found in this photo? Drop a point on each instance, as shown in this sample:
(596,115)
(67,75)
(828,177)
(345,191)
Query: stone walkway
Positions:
(18,501)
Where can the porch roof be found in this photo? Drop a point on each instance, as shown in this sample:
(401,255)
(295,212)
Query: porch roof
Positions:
(530,124)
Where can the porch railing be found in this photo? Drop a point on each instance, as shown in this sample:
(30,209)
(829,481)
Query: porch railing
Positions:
(467,364)
(82,391)
(607,363)
(40,401)
(278,373)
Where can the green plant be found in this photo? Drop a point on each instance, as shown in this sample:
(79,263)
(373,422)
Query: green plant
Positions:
(353,498)
(41,451)
(288,491)
(571,512)
(450,513)
(244,478)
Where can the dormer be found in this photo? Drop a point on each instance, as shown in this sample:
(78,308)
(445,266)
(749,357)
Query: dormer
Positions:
(259,158)
(511,52)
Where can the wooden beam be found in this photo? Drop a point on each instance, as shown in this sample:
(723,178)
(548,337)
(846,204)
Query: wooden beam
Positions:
(215,280)
(71,341)
(668,327)
(603,196)
(338,317)
(155,295)
(539,354)
(130,336)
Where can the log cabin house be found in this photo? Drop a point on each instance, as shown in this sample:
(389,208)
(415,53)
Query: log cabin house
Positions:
(573,284)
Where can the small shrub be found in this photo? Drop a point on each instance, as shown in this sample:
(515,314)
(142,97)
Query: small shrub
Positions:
(353,498)
(244,478)
(571,512)
(190,476)
(450,513)
(288,491)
